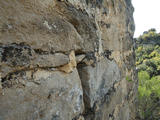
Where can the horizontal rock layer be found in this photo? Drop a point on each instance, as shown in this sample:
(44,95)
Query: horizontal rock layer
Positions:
(67,60)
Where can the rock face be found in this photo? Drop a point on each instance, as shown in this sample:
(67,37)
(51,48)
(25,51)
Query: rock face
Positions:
(67,60)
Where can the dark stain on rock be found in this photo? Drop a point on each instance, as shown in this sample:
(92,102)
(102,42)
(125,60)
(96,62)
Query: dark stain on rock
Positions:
(107,54)
(108,25)
(16,54)
(95,3)
(12,79)
(55,117)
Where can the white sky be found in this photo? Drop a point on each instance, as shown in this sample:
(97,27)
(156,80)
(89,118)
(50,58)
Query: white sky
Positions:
(146,15)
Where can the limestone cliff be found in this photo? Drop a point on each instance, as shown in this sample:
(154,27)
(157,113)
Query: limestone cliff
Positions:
(67,60)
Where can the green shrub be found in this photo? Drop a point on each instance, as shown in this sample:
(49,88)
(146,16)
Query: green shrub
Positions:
(148,66)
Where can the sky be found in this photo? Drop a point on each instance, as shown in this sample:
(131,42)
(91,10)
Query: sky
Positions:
(146,15)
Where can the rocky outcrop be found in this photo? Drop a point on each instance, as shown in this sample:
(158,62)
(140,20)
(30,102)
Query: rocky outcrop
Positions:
(67,60)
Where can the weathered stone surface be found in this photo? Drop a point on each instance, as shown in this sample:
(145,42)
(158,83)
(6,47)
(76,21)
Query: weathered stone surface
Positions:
(98,80)
(46,25)
(105,94)
(17,57)
(51,60)
(67,60)
(44,95)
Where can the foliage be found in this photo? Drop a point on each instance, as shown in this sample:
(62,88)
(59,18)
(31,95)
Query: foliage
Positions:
(148,58)
(128,78)
(148,67)
(149,96)
(148,37)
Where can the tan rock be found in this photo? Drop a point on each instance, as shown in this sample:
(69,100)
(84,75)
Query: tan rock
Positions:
(68,68)
(81,118)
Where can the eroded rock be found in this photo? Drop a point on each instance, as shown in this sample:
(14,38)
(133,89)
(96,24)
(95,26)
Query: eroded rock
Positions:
(44,95)
(67,59)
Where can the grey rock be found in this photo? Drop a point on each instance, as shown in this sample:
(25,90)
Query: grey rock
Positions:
(51,60)
(58,96)
(98,80)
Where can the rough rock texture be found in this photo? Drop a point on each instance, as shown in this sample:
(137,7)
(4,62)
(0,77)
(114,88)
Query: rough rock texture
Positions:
(67,60)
